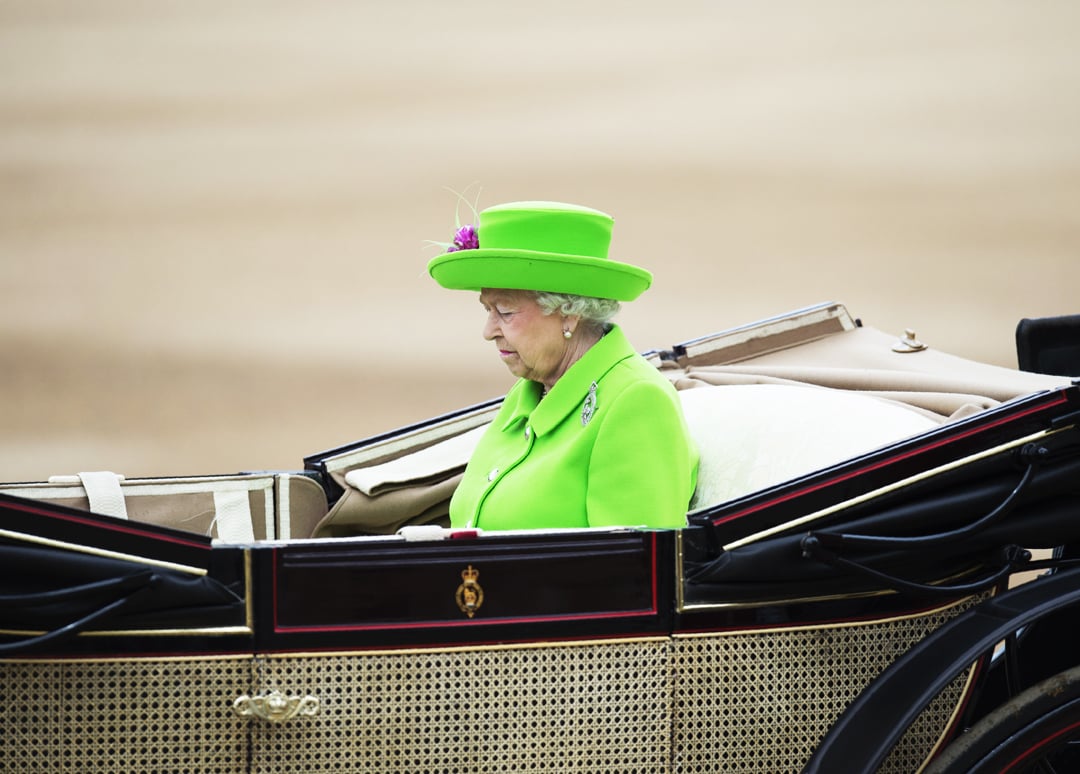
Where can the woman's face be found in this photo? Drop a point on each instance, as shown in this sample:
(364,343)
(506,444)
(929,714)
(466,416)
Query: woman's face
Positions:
(530,342)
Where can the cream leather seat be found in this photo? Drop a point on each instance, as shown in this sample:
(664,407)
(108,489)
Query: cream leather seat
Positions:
(753,436)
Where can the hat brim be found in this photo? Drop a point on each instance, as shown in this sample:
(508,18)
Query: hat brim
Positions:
(530,270)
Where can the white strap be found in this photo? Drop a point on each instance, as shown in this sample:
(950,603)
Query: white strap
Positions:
(104,493)
(232,515)
(284,517)
(421,533)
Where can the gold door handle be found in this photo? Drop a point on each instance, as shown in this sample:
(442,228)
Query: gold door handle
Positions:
(275,706)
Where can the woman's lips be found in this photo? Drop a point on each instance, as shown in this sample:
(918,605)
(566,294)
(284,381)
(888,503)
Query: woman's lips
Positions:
(505,353)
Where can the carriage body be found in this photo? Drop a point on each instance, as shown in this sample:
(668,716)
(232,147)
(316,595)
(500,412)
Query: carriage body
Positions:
(893,492)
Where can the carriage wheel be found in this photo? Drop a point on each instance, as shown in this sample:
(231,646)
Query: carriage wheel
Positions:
(1037,732)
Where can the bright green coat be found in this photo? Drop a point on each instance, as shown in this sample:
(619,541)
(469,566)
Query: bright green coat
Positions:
(547,463)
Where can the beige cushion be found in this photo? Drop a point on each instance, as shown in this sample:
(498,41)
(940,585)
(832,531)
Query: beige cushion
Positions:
(754,436)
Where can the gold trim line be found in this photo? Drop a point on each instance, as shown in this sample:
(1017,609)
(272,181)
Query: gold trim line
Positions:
(886,489)
(101,552)
(814,627)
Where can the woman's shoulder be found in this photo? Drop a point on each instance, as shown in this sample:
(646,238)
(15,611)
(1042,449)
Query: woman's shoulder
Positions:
(638,375)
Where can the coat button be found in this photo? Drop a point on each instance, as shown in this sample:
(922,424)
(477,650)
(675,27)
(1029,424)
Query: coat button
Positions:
(528,432)
(492,475)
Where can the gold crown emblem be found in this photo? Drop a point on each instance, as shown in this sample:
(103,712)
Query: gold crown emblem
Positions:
(469,595)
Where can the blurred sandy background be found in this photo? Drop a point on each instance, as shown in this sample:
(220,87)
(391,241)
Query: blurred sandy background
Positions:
(212,212)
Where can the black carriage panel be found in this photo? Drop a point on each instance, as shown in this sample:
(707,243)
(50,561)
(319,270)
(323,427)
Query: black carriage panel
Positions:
(79,583)
(954,507)
(384,593)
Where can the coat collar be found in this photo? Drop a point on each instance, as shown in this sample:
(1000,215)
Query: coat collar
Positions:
(570,390)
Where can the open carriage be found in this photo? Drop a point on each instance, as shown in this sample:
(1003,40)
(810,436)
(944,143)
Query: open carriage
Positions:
(878,574)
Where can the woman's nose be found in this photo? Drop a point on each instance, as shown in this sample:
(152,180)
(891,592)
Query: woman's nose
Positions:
(490,327)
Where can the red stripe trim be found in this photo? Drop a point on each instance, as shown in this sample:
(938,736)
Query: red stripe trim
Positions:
(1023,757)
(470,623)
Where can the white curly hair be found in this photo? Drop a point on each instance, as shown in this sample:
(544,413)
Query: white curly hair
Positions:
(595,313)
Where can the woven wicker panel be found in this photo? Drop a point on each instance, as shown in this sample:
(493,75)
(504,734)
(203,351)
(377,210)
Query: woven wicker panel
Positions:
(123,716)
(573,708)
(742,702)
(761,701)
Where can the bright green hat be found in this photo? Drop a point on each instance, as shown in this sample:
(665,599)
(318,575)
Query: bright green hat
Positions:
(559,248)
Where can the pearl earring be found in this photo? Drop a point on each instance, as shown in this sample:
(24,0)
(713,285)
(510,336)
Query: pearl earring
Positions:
(566,334)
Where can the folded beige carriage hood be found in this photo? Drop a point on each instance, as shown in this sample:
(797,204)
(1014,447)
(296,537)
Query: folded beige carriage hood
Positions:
(824,346)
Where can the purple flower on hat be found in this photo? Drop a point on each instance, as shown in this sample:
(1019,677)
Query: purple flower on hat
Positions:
(465,238)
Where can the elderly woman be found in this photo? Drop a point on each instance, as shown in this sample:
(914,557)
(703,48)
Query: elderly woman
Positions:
(591,434)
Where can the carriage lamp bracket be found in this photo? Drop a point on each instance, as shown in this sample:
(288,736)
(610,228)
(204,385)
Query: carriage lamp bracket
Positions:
(1033,453)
